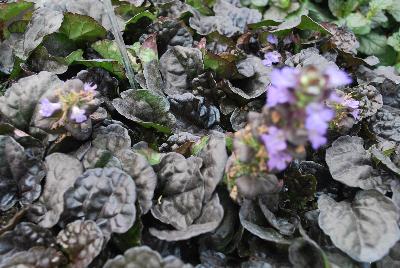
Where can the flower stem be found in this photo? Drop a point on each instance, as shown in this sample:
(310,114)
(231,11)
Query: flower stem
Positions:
(120,42)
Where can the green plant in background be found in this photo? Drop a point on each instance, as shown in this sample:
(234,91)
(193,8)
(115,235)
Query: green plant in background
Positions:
(375,24)
(276,10)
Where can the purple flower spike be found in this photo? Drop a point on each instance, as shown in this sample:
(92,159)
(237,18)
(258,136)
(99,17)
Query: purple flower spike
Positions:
(279,161)
(287,77)
(318,117)
(47,108)
(272,39)
(271,58)
(277,96)
(78,115)
(337,78)
(90,88)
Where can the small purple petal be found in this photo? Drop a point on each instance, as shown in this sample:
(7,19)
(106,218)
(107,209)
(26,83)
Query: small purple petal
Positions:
(274,141)
(351,103)
(267,62)
(272,39)
(356,113)
(334,97)
(320,111)
(89,87)
(271,57)
(316,140)
(317,122)
(47,108)
(287,77)
(276,96)
(78,115)
(337,78)
(353,106)
(278,161)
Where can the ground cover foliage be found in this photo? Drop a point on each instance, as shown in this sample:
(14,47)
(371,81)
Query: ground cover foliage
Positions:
(254,133)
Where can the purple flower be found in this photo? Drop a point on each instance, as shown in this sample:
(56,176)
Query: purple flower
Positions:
(352,105)
(278,95)
(337,78)
(275,144)
(316,139)
(271,57)
(47,108)
(318,117)
(356,114)
(78,115)
(272,39)
(278,161)
(274,141)
(287,77)
(334,97)
(90,88)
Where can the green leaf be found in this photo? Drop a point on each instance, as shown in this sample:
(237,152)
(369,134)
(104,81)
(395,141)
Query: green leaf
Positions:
(198,146)
(397,66)
(224,66)
(372,44)
(202,6)
(394,10)
(263,23)
(259,3)
(74,56)
(302,22)
(152,156)
(81,28)
(378,19)
(41,60)
(394,41)
(18,26)
(358,23)
(146,108)
(139,16)
(229,143)
(9,11)
(342,8)
(147,52)
(318,13)
(109,65)
(309,24)
(108,49)
(388,57)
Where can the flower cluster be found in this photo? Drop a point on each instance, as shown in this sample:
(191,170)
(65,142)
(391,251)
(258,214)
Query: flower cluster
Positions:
(274,57)
(299,107)
(69,105)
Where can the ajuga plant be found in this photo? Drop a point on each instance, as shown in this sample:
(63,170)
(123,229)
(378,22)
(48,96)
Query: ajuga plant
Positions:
(301,105)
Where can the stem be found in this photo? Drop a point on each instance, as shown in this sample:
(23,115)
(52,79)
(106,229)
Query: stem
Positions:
(120,42)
